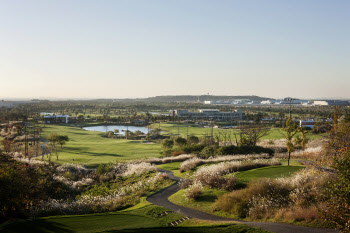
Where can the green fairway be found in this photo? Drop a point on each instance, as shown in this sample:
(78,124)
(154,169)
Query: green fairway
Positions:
(222,228)
(174,129)
(143,219)
(268,172)
(89,148)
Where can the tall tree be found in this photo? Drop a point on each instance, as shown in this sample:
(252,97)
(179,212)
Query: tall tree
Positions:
(290,131)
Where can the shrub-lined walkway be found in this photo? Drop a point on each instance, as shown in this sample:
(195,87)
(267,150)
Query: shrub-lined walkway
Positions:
(161,199)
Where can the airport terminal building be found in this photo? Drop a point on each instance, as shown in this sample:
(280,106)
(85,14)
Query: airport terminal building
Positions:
(210,114)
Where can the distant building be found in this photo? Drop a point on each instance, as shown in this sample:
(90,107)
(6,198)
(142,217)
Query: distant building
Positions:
(210,114)
(268,102)
(293,101)
(55,119)
(307,123)
(219,102)
(330,102)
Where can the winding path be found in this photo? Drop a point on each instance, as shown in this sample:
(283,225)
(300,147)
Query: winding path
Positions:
(161,199)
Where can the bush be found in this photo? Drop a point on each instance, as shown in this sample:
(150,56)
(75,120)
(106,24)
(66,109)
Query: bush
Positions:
(238,202)
(193,148)
(194,191)
(104,169)
(215,180)
(207,152)
(177,153)
(338,209)
(193,140)
(179,141)
(167,152)
(167,143)
(278,198)
(233,150)
(185,183)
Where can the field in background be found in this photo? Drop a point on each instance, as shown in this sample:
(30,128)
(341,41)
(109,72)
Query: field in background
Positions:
(90,148)
(174,129)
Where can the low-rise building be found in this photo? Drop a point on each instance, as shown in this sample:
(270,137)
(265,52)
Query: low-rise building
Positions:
(210,114)
(55,119)
(330,102)
(307,123)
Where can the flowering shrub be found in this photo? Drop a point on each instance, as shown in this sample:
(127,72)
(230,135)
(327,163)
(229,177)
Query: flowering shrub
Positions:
(179,158)
(138,168)
(276,198)
(194,191)
(195,162)
(73,168)
(185,183)
(234,166)
(110,200)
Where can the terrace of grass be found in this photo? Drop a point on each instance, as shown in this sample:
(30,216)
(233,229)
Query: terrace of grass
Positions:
(141,219)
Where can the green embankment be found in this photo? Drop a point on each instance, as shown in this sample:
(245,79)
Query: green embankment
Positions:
(208,197)
(142,219)
(90,148)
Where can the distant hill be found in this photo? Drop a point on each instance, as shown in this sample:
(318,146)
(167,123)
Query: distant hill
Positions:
(194,98)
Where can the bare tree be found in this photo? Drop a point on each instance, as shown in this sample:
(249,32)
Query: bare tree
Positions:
(251,134)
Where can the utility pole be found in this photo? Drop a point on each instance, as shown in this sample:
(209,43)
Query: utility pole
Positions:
(187,132)
(212,133)
(178,131)
(25,141)
(127,131)
(148,129)
(34,132)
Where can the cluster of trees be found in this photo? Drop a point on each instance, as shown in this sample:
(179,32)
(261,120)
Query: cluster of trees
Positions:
(24,185)
(179,145)
(56,143)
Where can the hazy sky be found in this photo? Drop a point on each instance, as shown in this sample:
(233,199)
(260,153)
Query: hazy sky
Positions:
(130,48)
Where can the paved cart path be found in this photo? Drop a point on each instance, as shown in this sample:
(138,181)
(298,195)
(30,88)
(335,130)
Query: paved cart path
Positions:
(161,199)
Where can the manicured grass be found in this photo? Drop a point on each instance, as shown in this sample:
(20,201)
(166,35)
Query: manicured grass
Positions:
(173,129)
(174,167)
(143,219)
(208,197)
(268,172)
(89,148)
(203,203)
(223,228)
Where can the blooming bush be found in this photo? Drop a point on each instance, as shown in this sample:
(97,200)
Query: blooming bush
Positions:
(110,200)
(234,166)
(179,158)
(195,162)
(194,191)
(276,198)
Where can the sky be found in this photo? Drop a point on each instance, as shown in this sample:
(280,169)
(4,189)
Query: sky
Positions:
(141,48)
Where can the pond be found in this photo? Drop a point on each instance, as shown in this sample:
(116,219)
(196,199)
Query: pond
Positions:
(121,128)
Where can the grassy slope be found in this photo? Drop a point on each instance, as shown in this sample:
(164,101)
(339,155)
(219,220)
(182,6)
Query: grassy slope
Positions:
(172,129)
(89,148)
(268,172)
(142,219)
(205,202)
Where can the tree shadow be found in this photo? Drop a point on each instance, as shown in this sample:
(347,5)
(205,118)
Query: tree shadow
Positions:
(37,226)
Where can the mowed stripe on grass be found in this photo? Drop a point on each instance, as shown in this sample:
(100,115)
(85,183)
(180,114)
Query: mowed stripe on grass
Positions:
(90,148)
